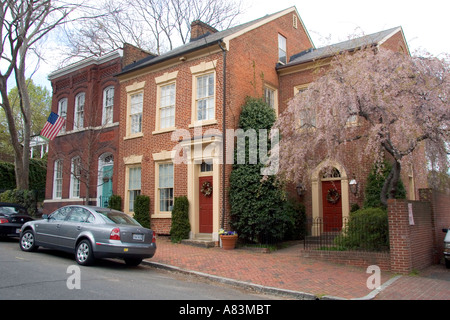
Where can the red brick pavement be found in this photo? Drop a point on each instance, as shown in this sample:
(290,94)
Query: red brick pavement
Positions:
(283,269)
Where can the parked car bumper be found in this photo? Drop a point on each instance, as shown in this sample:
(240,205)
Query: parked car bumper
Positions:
(124,250)
(10,229)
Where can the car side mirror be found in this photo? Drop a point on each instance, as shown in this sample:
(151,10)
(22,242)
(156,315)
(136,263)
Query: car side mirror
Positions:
(444,230)
(45,216)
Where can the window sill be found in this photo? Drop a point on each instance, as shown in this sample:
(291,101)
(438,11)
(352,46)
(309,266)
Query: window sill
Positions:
(203,123)
(162,215)
(165,130)
(133,136)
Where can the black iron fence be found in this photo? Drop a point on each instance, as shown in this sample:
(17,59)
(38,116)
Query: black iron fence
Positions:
(361,233)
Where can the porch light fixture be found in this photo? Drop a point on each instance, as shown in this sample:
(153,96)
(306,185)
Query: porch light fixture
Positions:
(300,189)
(353,186)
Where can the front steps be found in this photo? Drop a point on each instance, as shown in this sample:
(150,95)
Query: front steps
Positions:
(203,240)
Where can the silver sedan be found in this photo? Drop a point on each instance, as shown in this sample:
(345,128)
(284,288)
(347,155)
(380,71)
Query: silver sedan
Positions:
(90,233)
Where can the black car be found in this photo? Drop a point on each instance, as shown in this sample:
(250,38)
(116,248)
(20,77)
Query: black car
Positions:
(12,217)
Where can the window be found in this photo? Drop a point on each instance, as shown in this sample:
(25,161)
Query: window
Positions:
(137,101)
(282,56)
(167,107)
(62,112)
(80,215)
(165,187)
(206,167)
(205,97)
(78,122)
(134,186)
(75,178)
(57,179)
(60,214)
(108,105)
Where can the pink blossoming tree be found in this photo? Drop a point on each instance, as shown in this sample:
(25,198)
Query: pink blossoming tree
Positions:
(384,103)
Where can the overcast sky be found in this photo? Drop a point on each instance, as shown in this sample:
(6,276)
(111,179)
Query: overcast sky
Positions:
(425,23)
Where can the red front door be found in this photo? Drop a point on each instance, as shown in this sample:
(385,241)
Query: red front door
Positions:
(205,205)
(332,206)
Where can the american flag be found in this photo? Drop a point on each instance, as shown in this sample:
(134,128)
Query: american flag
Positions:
(52,126)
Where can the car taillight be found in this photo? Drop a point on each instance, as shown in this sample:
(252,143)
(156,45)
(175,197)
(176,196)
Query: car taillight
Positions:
(2,220)
(154,237)
(115,234)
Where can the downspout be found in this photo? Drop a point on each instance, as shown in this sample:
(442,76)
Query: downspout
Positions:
(224,111)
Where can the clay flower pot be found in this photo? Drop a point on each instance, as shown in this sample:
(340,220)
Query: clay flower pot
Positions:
(228,241)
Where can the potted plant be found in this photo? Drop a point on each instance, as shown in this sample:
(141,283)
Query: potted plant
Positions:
(228,239)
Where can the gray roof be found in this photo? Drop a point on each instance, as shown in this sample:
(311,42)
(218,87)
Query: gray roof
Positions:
(196,44)
(328,51)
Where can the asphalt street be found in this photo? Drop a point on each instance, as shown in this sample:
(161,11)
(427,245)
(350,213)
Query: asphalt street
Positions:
(51,275)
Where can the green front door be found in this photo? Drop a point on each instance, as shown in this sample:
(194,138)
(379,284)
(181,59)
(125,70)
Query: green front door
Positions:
(107,188)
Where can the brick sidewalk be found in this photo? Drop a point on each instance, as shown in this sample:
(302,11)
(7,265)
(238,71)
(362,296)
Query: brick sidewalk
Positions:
(283,269)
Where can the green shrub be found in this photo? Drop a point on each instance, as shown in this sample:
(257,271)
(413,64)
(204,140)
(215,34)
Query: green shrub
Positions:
(297,213)
(142,210)
(366,229)
(375,182)
(115,202)
(258,207)
(25,198)
(180,220)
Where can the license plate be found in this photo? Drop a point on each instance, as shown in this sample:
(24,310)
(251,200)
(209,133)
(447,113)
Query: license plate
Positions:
(138,236)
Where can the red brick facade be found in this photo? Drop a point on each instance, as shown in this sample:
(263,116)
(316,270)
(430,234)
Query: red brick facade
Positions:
(89,77)
(244,61)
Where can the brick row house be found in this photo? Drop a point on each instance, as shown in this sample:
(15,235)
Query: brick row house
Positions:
(165,139)
(81,158)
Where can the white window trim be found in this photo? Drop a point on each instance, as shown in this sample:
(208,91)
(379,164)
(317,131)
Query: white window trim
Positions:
(275,97)
(158,213)
(59,163)
(127,187)
(63,114)
(74,179)
(200,70)
(106,121)
(280,36)
(135,88)
(162,81)
(76,124)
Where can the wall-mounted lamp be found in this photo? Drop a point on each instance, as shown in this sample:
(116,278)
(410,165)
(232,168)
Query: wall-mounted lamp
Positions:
(300,189)
(353,186)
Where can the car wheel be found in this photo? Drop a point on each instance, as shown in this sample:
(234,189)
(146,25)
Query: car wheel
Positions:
(133,262)
(83,254)
(28,242)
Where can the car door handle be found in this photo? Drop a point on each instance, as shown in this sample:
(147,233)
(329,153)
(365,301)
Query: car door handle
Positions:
(58,226)
(78,228)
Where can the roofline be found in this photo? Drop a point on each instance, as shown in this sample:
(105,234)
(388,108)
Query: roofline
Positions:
(394,32)
(84,63)
(377,44)
(263,21)
(223,40)
(168,57)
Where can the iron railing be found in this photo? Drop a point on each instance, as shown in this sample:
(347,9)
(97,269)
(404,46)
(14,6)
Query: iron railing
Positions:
(359,233)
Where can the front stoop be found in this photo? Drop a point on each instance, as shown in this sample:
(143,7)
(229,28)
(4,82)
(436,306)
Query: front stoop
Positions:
(201,240)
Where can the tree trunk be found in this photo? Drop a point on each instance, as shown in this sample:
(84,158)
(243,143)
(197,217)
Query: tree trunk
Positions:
(389,189)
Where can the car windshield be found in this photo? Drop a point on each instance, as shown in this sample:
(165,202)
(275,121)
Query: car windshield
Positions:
(10,210)
(117,217)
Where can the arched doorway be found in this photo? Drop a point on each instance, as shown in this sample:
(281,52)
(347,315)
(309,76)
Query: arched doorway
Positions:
(330,197)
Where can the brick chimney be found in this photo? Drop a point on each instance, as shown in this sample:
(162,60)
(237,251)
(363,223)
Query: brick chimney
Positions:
(199,29)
